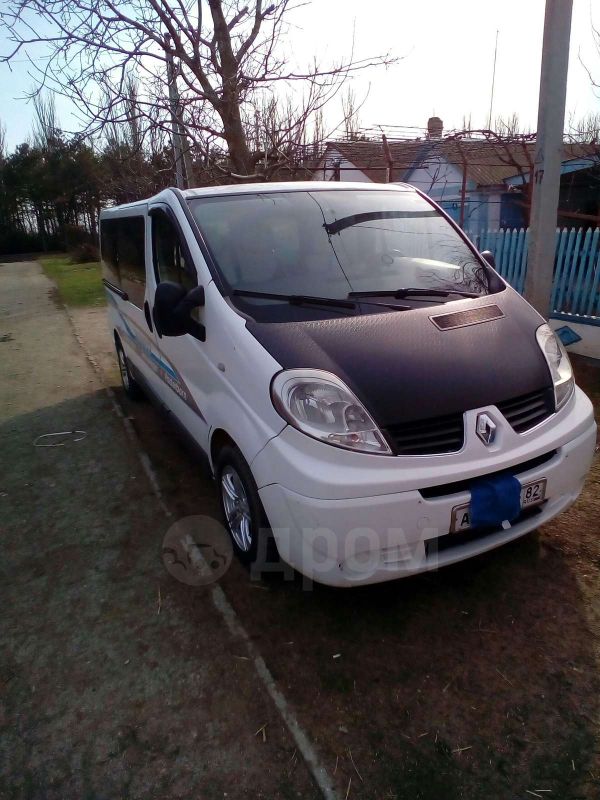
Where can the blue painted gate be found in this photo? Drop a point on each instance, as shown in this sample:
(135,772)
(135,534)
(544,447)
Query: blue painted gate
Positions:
(576,292)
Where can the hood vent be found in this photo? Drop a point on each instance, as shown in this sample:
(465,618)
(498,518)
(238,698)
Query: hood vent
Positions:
(473,316)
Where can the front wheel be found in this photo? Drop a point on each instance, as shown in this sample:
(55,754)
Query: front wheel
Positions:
(242,510)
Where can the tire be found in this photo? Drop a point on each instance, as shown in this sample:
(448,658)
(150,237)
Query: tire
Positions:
(243,514)
(130,386)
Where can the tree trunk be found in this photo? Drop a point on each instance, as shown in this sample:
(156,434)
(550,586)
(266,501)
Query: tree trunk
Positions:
(228,107)
(39,213)
(235,136)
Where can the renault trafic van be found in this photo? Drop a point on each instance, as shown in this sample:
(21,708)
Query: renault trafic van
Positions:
(371,395)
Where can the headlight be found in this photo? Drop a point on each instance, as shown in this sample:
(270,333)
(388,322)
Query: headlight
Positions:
(321,405)
(558,363)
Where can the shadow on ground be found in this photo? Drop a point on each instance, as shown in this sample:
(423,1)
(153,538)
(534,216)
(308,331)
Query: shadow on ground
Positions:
(114,682)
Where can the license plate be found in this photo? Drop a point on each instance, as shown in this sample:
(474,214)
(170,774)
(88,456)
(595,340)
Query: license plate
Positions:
(531,495)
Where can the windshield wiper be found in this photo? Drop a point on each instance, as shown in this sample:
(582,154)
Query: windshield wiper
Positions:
(413,292)
(298,299)
(335,302)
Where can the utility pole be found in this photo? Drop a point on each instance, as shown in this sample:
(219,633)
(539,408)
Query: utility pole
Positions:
(545,173)
(183,163)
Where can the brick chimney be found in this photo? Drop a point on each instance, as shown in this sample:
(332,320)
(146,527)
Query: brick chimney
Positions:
(435,128)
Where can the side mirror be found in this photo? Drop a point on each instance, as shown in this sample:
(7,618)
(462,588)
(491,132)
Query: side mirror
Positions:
(489,257)
(172,308)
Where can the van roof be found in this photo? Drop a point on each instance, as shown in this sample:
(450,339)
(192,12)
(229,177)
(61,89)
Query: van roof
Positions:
(252,188)
(292,186)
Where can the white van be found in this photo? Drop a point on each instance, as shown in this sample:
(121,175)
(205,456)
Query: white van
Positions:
(371,395)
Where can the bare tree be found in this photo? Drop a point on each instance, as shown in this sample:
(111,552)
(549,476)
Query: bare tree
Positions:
(318,132)
(591,72)
(46,127)
(230,63)
(512,150)
(585,129)
(509,126)
(351,117)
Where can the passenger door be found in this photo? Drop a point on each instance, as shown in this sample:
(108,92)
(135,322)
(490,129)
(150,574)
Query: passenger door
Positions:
(183,366)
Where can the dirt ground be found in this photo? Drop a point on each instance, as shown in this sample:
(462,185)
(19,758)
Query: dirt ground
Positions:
(480,681)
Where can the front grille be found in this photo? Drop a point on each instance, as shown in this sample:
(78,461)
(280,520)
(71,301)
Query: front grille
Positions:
(529,410)
(446,434)
(428,436)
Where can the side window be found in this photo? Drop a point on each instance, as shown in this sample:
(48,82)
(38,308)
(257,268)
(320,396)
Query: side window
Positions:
(131,258)
(108,249)
(170,262)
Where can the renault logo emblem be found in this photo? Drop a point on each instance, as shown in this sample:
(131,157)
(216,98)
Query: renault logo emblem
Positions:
(486,429)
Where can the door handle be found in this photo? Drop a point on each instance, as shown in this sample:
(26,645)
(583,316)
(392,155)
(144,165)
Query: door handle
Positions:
(148,315)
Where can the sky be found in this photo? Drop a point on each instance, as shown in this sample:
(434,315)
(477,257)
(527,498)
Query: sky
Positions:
(445,51)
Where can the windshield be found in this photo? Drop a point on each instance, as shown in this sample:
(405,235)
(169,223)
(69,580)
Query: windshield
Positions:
(332,243)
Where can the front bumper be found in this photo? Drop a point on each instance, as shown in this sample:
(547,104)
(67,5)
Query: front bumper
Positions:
(367,519)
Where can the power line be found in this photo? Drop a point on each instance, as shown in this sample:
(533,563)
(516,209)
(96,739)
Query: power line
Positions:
(493,82)
(421,164)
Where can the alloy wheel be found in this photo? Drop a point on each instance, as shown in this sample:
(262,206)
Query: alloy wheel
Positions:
(237,508)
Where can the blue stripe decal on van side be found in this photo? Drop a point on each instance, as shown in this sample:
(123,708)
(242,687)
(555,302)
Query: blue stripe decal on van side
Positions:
(130,333)
(163,365)
(142,344)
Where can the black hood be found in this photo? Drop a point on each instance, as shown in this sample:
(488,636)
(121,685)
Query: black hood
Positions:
(411,365)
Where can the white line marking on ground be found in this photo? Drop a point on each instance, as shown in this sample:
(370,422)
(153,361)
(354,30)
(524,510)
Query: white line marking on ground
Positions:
(309,754)
(220,601)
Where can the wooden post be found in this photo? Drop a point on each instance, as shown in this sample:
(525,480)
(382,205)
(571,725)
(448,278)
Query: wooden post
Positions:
(387,153)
